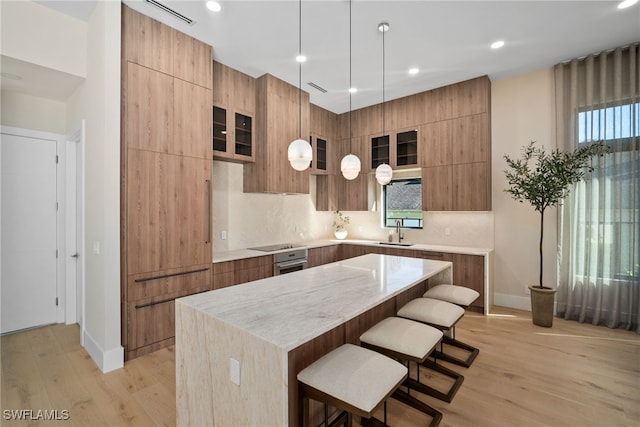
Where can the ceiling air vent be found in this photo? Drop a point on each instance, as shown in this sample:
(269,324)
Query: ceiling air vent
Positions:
(171,12)
(315,86)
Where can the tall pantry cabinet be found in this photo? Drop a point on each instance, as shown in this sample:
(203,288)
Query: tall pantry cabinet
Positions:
(166,177)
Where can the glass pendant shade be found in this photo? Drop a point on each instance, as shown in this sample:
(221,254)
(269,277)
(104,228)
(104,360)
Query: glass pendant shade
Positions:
(300,154)
(384,173)
(350,166)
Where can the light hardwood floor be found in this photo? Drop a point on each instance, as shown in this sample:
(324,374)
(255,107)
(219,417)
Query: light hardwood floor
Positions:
(570,375)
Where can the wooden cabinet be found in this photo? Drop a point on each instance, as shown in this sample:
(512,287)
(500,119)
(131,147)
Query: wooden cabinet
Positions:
(277,117)
(323,125)
(154,45)
(233,115)
(327,192)
(322,255)
(457,172)
(229,273)
(166,178)
(398,149)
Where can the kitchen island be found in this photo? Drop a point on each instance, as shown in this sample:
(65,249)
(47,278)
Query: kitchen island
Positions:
(238,349)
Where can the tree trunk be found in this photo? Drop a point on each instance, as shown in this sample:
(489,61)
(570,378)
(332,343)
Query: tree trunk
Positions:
(541,236)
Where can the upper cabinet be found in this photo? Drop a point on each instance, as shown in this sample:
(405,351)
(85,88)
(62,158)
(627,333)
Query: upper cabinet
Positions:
(323,127)
(279,106)
(398,149)
(154,45)
(233,115)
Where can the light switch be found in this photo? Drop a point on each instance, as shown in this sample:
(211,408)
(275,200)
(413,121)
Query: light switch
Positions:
(96,247)
(234,371)
(223,234)
(447,231)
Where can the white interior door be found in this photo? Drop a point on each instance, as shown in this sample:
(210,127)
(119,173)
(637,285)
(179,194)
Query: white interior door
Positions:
(29,232)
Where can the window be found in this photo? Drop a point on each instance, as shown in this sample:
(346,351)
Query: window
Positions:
(616,123)
(403,203)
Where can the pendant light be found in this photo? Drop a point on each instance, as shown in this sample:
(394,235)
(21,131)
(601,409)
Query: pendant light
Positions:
(350,164)
(300,152)
(384,173)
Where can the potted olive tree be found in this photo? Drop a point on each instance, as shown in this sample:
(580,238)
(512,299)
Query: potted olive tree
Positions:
(543,179)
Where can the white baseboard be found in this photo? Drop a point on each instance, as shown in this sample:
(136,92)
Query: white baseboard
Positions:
(512,301)
(106,360)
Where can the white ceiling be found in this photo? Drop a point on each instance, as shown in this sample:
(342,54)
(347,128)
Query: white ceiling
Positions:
(448,40)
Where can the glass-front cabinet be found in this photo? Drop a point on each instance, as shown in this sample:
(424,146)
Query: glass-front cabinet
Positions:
(399,149)
(232,141)
(319,164)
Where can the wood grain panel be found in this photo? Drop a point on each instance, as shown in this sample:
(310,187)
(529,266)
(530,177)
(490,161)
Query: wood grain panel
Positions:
(167,212)
(468,271)
(192,60)
(192,129)
(146,41)
(149,108)
(150,324)
(277,117)
(470,182)
(436,143)
(322,255)
(470,139)
(327,192)
(170,282)
(437,188)
(356,327)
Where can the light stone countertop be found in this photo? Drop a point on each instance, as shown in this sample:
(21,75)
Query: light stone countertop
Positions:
(291,309)
(237,254)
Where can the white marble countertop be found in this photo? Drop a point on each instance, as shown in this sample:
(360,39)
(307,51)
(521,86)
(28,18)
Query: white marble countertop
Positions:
(250,253)
(291,309)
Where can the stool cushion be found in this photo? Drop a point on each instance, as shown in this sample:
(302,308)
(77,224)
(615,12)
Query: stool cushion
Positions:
(432,311)
(403,336)
(451,293)
(355,375)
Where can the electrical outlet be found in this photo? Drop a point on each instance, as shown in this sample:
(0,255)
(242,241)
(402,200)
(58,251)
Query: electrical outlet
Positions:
(527,291)
(223,235)
(234,371)
(447,231)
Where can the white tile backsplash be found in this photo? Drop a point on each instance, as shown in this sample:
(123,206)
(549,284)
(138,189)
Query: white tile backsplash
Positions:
(252,219)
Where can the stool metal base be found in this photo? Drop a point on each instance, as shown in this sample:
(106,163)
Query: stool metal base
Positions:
(407,399)
(459,344)
(414,384)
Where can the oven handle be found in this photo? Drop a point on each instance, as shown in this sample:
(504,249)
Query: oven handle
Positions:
(292,263)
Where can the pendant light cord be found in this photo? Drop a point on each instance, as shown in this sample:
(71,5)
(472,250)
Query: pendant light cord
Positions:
(383,62)
(299,69)
(350,135)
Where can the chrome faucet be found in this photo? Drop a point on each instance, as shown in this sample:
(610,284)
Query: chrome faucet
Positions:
(399,231)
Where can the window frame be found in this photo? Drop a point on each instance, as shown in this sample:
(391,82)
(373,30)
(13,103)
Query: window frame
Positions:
(384,206)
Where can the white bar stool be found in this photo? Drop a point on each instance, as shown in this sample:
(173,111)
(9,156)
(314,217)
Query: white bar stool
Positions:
(351,378)
(442,315)
(458,295)
(409,341)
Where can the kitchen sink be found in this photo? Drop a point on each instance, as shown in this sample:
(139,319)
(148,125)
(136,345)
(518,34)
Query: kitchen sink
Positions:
(395,244)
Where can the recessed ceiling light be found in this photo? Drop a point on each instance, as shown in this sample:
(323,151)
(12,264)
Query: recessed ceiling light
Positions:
(497,45)
(413,71)
(353,89)
(627,3)
(213,6)
(301,58)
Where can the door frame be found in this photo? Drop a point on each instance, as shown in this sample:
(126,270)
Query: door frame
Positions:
(74,204)
(60,214)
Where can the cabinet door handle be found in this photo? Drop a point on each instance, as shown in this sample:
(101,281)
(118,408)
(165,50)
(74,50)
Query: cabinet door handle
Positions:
(164,276)
(164,301)
(208,236)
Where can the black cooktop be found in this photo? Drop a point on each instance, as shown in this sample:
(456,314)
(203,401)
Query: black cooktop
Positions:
(278,247)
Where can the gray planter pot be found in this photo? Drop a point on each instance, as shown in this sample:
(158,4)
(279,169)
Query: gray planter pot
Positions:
(542,305)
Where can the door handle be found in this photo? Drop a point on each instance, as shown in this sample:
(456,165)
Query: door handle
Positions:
(76,255)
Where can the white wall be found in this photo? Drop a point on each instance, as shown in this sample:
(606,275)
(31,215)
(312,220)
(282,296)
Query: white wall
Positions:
(523,110)
(37,34)
(98,102)
(32,112)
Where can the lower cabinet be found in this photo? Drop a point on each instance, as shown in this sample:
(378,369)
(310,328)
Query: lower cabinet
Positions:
(322,255)
(150,306)
(229,273)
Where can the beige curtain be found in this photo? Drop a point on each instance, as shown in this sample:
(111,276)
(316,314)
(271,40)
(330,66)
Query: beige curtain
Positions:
(598,98)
